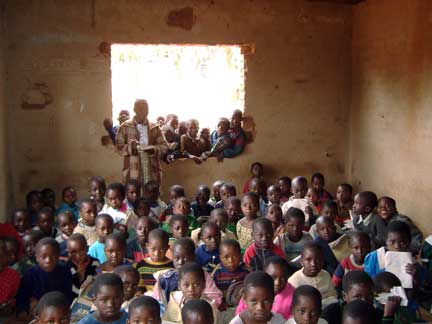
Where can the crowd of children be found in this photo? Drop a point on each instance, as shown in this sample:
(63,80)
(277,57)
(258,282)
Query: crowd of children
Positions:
(280,253)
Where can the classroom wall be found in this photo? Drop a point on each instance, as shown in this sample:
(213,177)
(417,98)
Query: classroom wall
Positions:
(391,103)
(297,85)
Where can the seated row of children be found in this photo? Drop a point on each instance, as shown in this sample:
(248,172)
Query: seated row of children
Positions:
(205,249)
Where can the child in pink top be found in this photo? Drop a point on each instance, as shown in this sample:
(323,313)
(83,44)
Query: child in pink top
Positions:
(280,271)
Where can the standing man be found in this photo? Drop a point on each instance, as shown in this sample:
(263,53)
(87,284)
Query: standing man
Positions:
(142,144)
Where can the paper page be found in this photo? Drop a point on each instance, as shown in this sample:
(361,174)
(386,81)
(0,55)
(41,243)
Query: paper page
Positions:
(395,262)
(395,291)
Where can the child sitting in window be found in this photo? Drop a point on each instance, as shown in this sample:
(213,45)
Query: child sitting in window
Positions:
(200,206)
(86,224)
(191,145)
(69,197)
(306,306)
(344,202)
(22,221)
(285,186)
(219,139)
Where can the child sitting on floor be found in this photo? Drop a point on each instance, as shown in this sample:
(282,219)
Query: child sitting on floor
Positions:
(179,227)
(136,248)
(53,307)
(249,206)
(69,197)
(151,193)
(200,206)
(66,224)
(175,191)
(344,202)
(115,252)
(285,186)
(363,212)
(29,244)
(133,191)
(45,222)
(108,290)
(191,145)
(226,190)
(312,195)
(318,182)
(312,273)
(10,281)
(219,139)
(86,224)
(258,186)
(256,171)
(215,198)
(34,204)
(130,278)
(328,208)
(97,189)
(115,205)
(22,221)
(262,247)
(306,306)
(182,207)
(140,209)
(145,309)
(280,271)
(220,217)
(104,227)
(207,254)
(274,215)
(197,312)
(233,209)
(258,292)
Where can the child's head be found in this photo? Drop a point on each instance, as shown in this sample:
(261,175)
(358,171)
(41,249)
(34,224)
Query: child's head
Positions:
(197,312)
(141,208)
(274,215)
(220,217)
(306,305)
(386,208)
(279,269)
(223,126)
(183,251)
(176,191)
(53,307)
(202,195)
(398,237)
(210,234)
(12,248)
(274,194)
(29,242)
(144,309)
(357,285)
(143,227)
(88,211)
(360,245)
(262,233)
(157,244)
(133,190)
(294,220)
(34,201)
(108,297)
(385,281)
(191,281)
(285,185)
(317,181)
(359,312)
(227,190)
(250,205)
(69,196)
(182,206)
(115,195)
(312,195)
(182,128)
(77,248)
(230,254)
(4,259)
(259,295)
(48,197)
(232,206)
(344,193)
(364,203)
(329,208)
(151,191)
(47,253)
(192,126)
(169,133)
(257,185)
(257,170)
(216,188)
(172,120)
(21,220)
(236,119)
(130,278)
(66,222)
(97,188)
(115,249)
(45,220)
(299,187)
(326,228)
(312,259)
(104,225)
(179,226)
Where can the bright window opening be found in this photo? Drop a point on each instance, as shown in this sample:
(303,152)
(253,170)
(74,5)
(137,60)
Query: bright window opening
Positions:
(191,81)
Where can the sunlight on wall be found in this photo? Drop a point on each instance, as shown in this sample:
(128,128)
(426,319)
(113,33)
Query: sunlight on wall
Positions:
(192,81)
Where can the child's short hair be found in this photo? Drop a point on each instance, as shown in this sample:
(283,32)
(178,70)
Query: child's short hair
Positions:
(46,191)
(228,186)
(295,213)
(356,277)
(123,269)
(331,204)
(117,186)
(232,200)
(133,183)
(46,211)
(318,176)
(370,198)
(219,211)
(48,241)
(300,180)
(98,179)
(13,241)
(399,227)
(178,218)
(152,184)
(85,201)
(347,187)
(51,299)
(204,188)
(30,195)
(178,190)
(107,279)
(158,234)
(146,302)
(312,245)
(66,213)
(307,291)
(209,224)
(362,311)
(256,164)
(277,260)
(197,307)
(35,235)
(78,237)
(192,267)
(262,222)
(119,238)
(183,200)
(385,280)
(259,279)
(104,217)
(231,243)
(186,243)
(390,199)
(21,210)
(358,235)
(251,195)
(66,189)
(285,179)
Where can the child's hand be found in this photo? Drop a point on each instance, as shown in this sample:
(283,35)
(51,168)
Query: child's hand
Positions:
(108,124)
(308,210)
(220,157)
(391,306)
(196,159)
(411,269)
